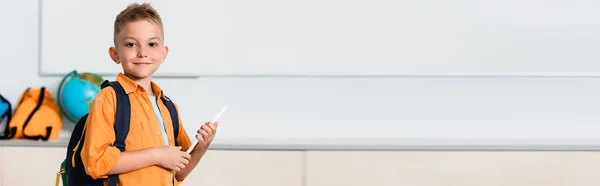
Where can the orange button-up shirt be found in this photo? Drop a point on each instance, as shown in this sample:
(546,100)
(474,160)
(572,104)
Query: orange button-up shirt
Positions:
(99,154)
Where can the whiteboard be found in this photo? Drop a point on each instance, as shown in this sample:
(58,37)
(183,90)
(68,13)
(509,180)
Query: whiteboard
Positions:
(385,37)
(77,35)
(414,112)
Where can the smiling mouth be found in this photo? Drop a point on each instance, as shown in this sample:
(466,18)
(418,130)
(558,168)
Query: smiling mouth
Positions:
(141,63)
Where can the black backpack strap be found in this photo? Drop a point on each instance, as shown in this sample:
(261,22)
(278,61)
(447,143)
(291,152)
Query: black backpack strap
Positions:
(174,116)
(122,118)
(8,115)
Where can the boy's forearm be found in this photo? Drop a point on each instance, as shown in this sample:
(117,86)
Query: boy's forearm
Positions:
(196,156)
(133,160)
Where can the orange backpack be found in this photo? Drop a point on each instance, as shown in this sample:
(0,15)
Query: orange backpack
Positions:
(36,116)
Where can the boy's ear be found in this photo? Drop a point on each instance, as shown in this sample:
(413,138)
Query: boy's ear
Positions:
(112,51)
(165,51)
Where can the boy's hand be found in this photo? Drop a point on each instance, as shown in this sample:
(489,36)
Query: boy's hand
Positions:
(205,135)
(171,158)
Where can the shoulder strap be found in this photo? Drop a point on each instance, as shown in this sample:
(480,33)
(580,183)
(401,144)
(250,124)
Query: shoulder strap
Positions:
(8,115)
(122,117)
(174,116)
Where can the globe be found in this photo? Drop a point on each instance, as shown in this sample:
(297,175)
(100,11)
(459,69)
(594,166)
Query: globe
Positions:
(76,92)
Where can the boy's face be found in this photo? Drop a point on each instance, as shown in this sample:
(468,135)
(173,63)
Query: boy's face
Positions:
(139,49)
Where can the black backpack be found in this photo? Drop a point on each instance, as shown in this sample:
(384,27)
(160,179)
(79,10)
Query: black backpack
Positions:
(72,170)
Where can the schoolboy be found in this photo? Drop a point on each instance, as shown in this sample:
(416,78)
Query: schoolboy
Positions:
(150,157)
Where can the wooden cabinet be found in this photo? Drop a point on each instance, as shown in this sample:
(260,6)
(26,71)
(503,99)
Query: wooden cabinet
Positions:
(30,165)
(22,165)
(452,168)
(39,165)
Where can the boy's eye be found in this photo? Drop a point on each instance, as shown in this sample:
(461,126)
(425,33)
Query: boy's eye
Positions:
(153,44)
(130,44)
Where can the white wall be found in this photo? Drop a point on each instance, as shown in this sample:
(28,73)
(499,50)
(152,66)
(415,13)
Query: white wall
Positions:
(275,109)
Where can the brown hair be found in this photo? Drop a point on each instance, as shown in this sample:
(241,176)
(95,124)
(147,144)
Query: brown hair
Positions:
(134,12)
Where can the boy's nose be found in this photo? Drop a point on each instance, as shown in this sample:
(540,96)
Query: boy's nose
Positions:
(142,55)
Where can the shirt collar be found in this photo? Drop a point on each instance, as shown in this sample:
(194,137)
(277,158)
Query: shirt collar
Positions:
(129,85)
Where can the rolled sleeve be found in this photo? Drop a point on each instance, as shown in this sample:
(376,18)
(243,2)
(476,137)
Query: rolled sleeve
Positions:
(105,161)
(98,154)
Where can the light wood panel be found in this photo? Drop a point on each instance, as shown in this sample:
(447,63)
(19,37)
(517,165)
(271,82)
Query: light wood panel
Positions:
(31,165)
(444,168)
(248,168)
